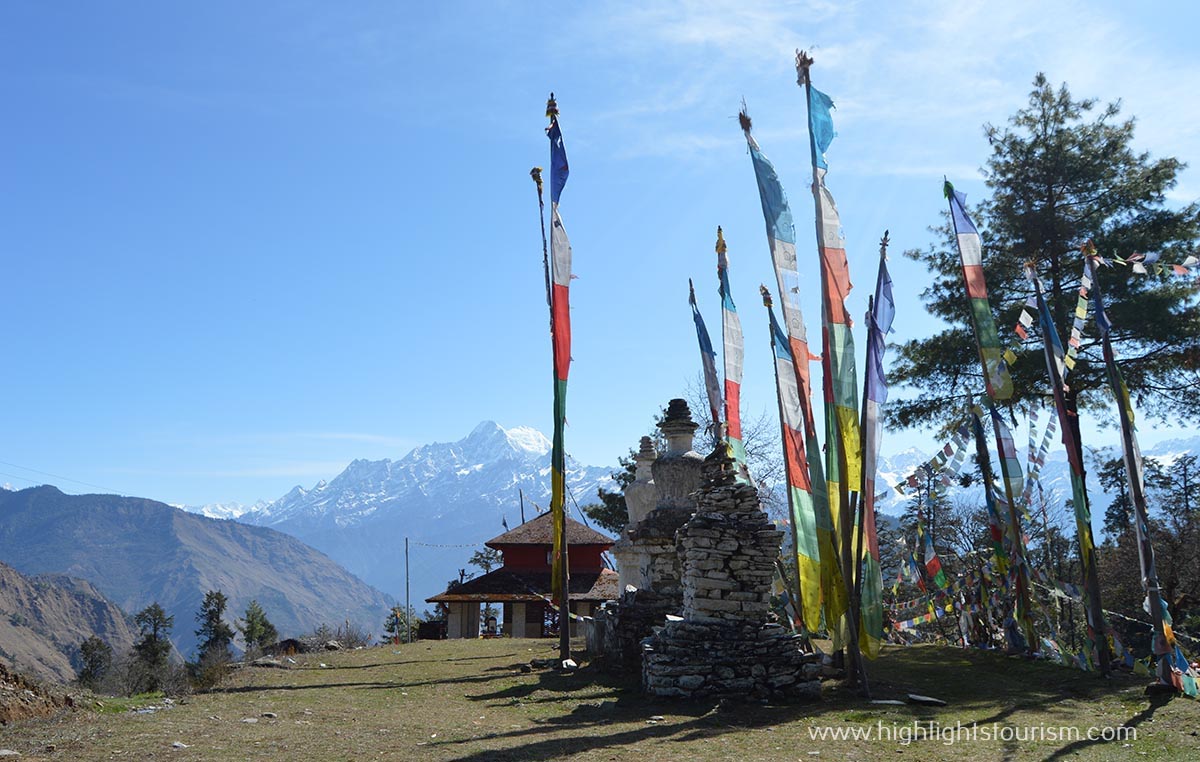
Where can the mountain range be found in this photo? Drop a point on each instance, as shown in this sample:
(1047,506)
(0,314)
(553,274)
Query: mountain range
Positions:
(137,552)
(446,499)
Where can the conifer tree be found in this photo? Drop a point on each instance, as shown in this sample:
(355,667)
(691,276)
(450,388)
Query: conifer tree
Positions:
(1063,171)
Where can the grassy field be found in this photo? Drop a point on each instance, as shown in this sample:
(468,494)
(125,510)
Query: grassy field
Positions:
(468,700)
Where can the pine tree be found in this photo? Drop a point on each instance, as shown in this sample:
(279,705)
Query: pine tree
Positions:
(1064,171)
(154,645)
(257,631)
(96,658)
(214,634)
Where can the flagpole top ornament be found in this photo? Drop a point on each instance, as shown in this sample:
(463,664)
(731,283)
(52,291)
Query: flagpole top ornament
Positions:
(766,295)
(536,174)
(744,118)
(883,242)
(803,62)
(551,107)
(720,241)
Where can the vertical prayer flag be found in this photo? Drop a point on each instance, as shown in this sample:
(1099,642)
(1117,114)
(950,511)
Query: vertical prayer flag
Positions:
(1067,414)
(995,523)
(560,331)
(933,564)
(879,324)
(799,484)
(1163,640)
(781,239)
(1010,469)
(731,333)
(708,360)
(995,368)
(840,380)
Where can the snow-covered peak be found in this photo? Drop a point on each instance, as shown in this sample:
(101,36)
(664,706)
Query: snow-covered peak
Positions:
(223,510)
(528,439)
(489,442)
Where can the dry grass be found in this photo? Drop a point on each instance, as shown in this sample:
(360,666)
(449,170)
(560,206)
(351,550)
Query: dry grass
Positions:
(468,700)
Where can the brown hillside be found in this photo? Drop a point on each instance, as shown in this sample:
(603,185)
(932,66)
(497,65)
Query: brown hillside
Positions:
(44,619)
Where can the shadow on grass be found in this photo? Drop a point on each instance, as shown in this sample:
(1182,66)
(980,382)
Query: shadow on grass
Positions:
(706,718)
(979,687)
(1075,747)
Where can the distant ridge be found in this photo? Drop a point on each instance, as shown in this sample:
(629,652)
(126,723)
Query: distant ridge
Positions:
(139,551)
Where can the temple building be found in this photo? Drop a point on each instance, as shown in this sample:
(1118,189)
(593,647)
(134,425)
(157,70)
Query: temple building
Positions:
(522,584)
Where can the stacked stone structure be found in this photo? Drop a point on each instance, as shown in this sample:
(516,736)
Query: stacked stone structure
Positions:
(660,500)
(724,645)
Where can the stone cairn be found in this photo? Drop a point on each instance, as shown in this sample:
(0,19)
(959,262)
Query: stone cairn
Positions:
(724,646)
(660,500)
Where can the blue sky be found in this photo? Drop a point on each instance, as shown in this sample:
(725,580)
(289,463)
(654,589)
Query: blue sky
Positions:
(244,244)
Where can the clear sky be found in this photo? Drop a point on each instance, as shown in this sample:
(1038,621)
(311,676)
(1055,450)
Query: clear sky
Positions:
(245,243)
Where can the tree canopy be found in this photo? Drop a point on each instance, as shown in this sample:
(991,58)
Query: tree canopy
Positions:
(1063,172)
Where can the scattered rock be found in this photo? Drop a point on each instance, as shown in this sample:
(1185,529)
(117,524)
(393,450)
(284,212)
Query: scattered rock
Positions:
(21,699)
(526,669)
(9,753)
(333,645)
(889,702)
(250,720)
(270,715)
(569,665)
(179,745)
(916,698)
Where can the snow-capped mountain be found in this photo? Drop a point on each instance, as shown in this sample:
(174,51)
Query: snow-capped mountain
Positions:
(223,510)
(445,498)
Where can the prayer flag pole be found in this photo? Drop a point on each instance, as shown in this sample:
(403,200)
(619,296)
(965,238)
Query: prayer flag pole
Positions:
(1097,629)
(843,440)
(805,540)
(558,281)
(781,240)
(868,581)
(1164,639)
(998,383)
